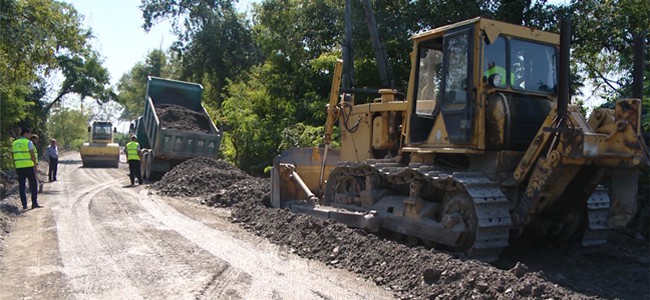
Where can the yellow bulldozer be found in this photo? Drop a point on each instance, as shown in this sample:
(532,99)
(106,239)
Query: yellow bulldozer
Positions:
(100,151)
(484,146)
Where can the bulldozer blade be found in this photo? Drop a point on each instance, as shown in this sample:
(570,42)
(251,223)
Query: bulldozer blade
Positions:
(305,162)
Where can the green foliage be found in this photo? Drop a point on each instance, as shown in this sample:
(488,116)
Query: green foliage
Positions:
(121,138)
(84,76)
(255,120)
(69,127)
(301,135)
(37,39)
(213,39)
(603,34)
(582,106)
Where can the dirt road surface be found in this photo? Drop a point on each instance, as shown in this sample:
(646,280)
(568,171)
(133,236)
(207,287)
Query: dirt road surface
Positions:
(99,238)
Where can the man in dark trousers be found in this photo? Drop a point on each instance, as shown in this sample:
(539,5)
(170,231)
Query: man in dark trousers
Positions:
(133,156)
(52,156)
(26,167)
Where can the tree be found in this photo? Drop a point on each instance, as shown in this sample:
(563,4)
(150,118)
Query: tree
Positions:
(84,76)
(69,127)
(255,120)
(214,41)
(39,38)
(603,34)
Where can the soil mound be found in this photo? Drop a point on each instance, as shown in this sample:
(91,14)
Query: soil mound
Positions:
(178,117)
(217,182)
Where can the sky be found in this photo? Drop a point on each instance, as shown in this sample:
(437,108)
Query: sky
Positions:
(119,37)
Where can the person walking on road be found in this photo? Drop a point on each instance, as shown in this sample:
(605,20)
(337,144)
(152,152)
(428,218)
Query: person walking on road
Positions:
(24,153)
(133,156)
(52,156)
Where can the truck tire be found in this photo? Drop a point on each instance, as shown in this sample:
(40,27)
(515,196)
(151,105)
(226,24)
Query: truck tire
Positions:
(147,167)
(143,164)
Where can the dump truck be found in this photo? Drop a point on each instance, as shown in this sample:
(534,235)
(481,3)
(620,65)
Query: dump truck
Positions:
(100,151)
(468,157)
(168,104)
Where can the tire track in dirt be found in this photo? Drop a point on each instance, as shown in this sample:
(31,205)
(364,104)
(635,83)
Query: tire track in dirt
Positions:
(272,277)
(77,235)
(131,239)
(225,285)
(175,267)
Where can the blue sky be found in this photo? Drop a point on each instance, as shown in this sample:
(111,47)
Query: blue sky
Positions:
(119,37)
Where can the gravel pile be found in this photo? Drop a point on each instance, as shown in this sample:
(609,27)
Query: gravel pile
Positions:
(527,271)
(217,182)
(177,117)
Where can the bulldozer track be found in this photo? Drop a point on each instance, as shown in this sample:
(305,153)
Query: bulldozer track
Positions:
(492,213)
(490,205)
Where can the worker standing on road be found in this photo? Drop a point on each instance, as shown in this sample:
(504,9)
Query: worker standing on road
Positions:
(25,162)
(52,156)
(133,156)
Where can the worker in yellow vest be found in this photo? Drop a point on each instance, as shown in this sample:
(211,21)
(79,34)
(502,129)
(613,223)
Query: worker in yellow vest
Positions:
(133,155)
(26,167)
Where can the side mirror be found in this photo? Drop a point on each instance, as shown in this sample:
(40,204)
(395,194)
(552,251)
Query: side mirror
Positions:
(88,128)
(114,129)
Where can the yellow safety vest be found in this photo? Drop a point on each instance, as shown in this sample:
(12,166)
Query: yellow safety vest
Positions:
(132,151)
(22,157)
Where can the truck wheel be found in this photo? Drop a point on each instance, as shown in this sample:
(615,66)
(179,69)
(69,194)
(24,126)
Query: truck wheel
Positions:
(143,165)
(148,167)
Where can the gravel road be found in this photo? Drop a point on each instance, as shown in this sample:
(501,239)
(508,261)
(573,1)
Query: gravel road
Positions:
(99,238)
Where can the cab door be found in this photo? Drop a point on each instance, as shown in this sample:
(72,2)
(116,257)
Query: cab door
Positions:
(457,91)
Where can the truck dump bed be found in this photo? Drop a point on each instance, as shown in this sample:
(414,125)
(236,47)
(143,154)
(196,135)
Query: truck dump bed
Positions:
(167,144)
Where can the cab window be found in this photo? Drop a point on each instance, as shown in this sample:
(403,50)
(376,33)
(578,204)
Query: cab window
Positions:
(495,61)
(533,65)
(456,70)
(429,78)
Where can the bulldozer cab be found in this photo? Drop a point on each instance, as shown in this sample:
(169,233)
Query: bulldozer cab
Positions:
(479,85)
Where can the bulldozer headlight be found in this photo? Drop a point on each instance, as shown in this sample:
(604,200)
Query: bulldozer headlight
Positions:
(495,80)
